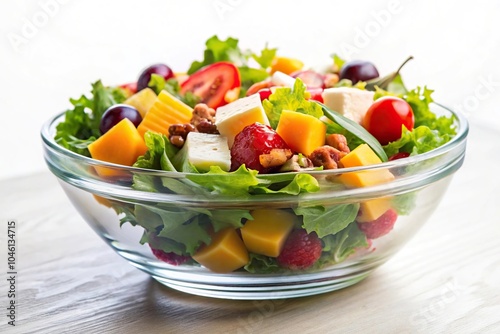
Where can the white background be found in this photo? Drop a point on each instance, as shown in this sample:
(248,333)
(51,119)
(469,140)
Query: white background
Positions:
(51,50)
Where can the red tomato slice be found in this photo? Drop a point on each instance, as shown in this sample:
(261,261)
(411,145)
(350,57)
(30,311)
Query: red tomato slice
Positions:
(212,82)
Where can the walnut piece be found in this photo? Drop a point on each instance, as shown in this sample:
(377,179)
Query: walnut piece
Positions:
(276,157)
(203,119)
(297,163)
(338,141)
(331,79)
(326,156)
(177,133)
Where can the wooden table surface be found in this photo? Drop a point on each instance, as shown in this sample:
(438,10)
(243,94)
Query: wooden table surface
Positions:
(447,279)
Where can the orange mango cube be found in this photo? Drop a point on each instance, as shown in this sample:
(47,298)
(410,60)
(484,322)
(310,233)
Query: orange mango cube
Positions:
(267,232)
(286,65)
(121,145)
(363,155)
(303,133)
(225,253)
(373,209)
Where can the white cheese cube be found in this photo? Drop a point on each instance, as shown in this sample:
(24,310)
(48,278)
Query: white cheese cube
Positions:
(233,117)
(351,102)
(205,150)
(281,79)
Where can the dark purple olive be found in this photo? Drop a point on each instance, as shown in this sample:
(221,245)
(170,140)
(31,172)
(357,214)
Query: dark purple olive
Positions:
(145,77)
(114,114)
(358,70)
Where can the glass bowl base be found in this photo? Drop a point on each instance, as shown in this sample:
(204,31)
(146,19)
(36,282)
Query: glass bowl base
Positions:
(245,286)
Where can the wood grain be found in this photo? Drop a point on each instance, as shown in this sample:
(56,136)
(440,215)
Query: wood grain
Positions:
(447,279)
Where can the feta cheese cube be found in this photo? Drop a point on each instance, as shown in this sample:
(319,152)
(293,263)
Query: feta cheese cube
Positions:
(351,102)
(233,117)
(205,150)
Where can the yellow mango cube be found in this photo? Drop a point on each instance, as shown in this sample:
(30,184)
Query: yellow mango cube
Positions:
(267,232)
(166,110)
(373,209)
(286,65)
(142,101)
(122,145)
(303,133)
(226,252)
(363,155)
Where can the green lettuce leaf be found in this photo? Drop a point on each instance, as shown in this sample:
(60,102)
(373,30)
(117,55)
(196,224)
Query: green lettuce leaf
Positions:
(404,203)
(341,245)
(219,50)
(165,244)
(249,76)
(158,83)
(338,62)
(299,184)
(184,226)
(422,139)
(81,124)
(420,100)
(158,156)
(221,219)
(218,181)
(293,99)
(327,220)
(266,57)
(261,264)
(348,83)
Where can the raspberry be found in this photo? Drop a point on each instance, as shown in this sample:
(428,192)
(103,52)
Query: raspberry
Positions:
(380,226)
(251,142)
(301,250)
(170,258)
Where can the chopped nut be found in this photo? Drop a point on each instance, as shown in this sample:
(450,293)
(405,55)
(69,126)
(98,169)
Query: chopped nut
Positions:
(338,141)
(277,157)
(297,163)
(326,156)
(203,119)
(177,141)
(207,127)
(331,79)
(178,133)
(202,112)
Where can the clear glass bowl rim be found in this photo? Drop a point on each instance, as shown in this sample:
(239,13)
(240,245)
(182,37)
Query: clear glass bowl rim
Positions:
(106,188)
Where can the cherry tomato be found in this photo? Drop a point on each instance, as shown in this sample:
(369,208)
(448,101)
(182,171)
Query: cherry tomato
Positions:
(212,82)
(385,118)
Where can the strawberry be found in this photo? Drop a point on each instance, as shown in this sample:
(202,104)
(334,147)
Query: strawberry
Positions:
(380,226)
(301,250)
(170,258)
(254,140)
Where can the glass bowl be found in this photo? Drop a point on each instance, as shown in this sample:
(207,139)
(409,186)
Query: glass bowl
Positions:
(125,218)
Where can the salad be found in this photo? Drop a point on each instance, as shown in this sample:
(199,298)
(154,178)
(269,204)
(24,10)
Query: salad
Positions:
(243,124)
